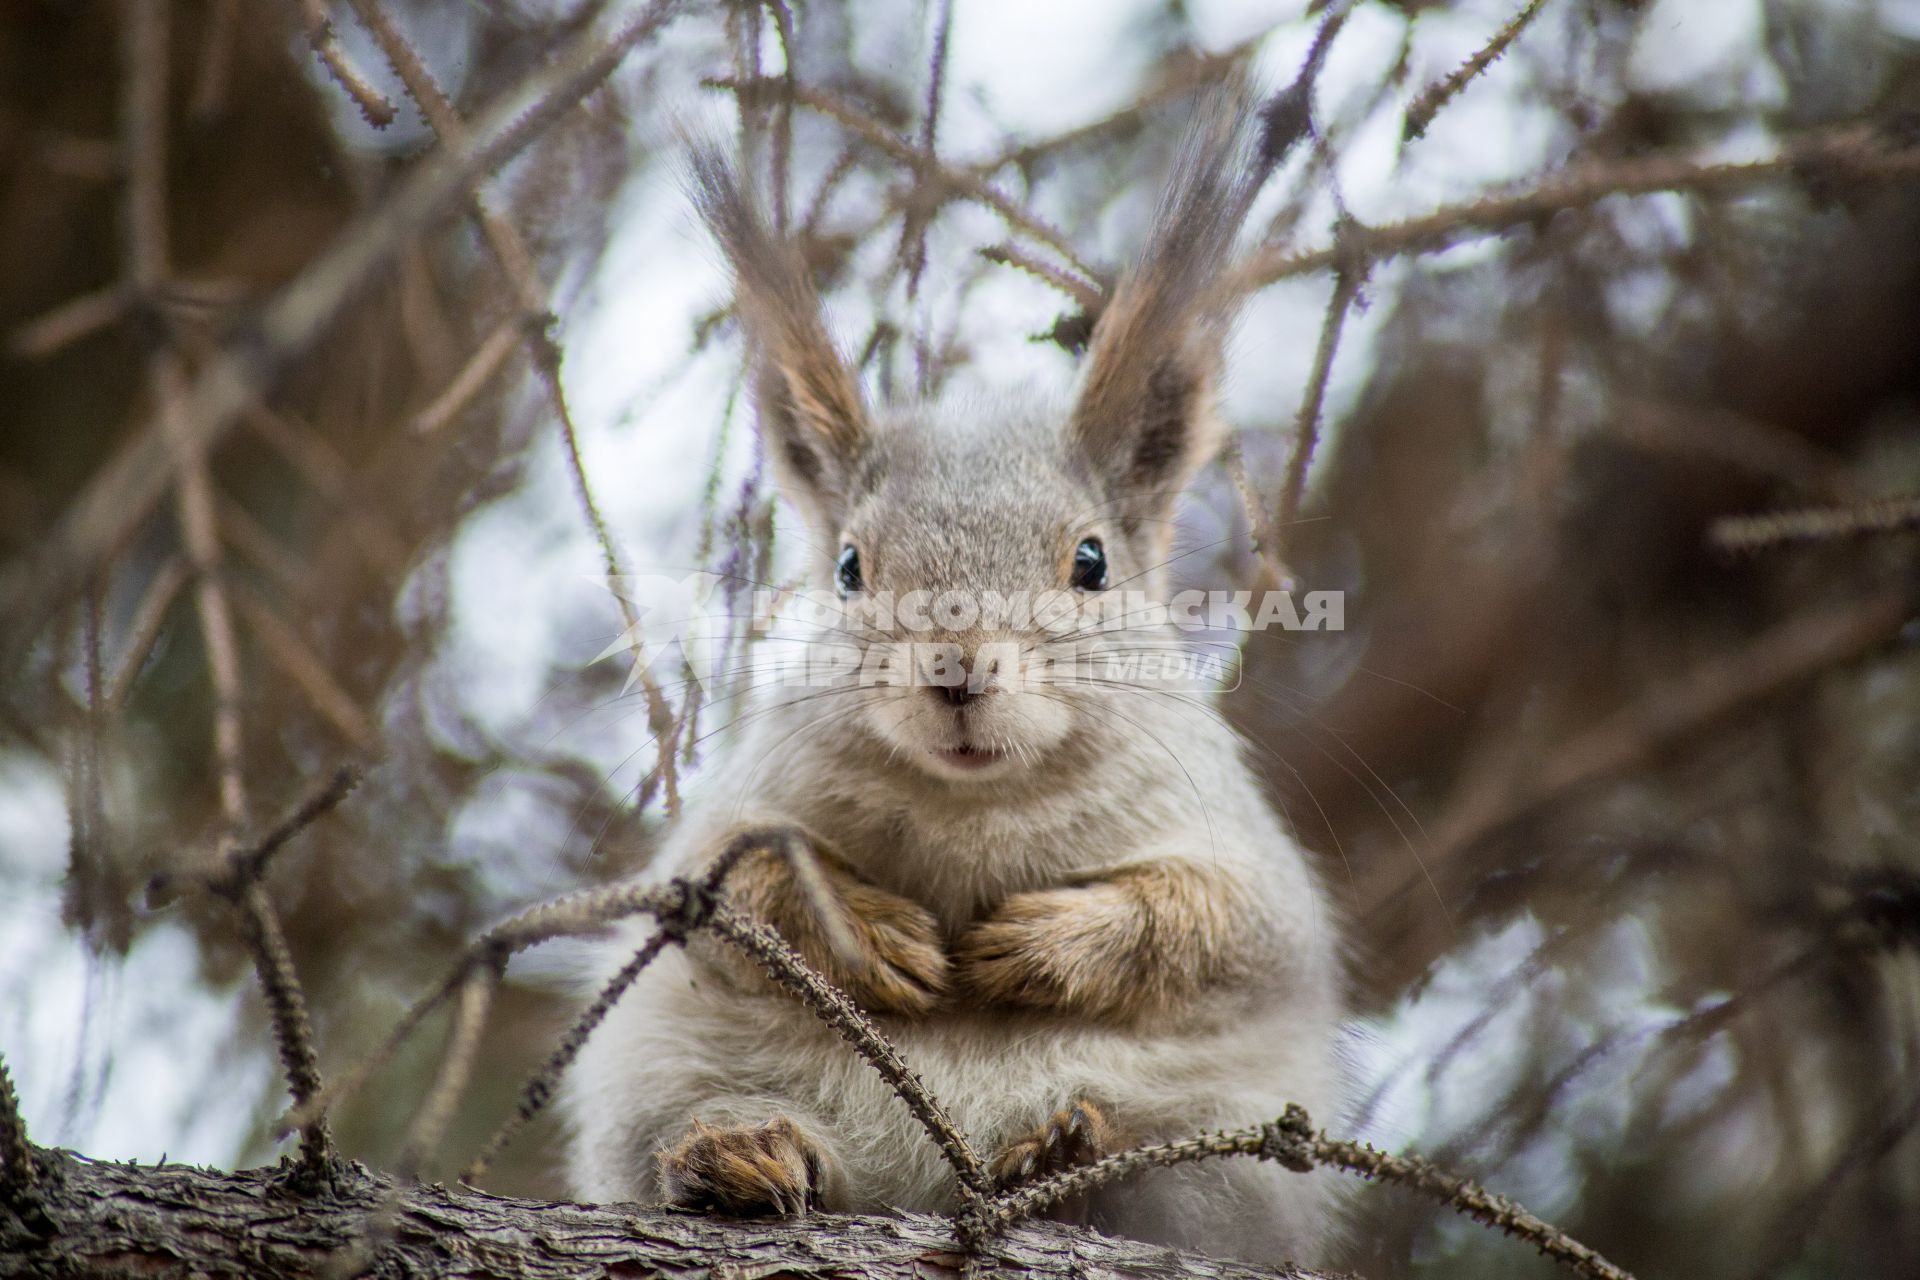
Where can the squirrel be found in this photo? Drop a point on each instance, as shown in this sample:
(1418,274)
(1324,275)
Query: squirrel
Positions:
(1072,907)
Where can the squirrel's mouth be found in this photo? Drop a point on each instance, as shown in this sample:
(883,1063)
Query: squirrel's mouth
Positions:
(967,757)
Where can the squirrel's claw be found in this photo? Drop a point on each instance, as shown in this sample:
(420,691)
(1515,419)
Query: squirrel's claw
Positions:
(1077,1134)
(750,1171)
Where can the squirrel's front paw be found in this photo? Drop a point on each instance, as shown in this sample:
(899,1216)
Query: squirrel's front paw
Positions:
(904,967)
(1055,949)
(1077,1134)
(882,949)
(750,1171)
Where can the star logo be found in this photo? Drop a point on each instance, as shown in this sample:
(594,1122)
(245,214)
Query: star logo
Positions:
(687,613)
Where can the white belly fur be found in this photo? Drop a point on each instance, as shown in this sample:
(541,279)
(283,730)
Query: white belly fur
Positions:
(682,1045)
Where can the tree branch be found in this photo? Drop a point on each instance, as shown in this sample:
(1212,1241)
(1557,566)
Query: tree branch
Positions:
(170,1221)
(1847,153)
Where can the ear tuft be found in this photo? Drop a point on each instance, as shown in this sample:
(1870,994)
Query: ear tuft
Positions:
(1144,414)
(812,415)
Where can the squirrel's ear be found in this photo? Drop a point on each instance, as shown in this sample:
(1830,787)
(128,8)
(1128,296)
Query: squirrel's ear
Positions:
(812,418)
(1144,416)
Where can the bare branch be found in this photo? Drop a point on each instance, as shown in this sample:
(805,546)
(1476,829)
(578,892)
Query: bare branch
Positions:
(250,863)
(239,1224)
(143,122)
(538,1090)
(1437,95)
(373,104)
(783,115)
(1815,524)
(1671,710)
(1846,153)
(149,616)
(1347,281)
(193,497)
(487,360)
(1088,296)
(1294,1142)
(833,1007)
(124,490)
(510,251)
(55,330)
(679,905)
(920,208)
(456,1065)
(942,178)
(286,1003)
(290,652)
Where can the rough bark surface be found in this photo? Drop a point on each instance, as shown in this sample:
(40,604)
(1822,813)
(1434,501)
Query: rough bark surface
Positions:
(105,1219)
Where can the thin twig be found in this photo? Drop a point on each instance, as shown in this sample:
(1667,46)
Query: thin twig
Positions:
(240,883)
(783,114)
(289,651)
(487,360)
(956,182)
(250,862)
(1432,99)
(1857,152)
(675,901)
(287,1005)
(125,490)
(1751,445)
(516,263)
(237,878)
(920,208)
(92,850)
(456,1066)
(144,223)
(1288,114)
(1265,547)
(373,104)
(1294,1142)
(682,907)
(60,327)
(833,1007)
(1087,295)
(1462,1195)
(538,1090)
(1347,281)
(1815,524)
(149,616)
(193,499)
(1673,709)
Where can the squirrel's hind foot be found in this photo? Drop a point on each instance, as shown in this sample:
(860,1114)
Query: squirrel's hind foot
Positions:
(748,1171)
(1079,1133)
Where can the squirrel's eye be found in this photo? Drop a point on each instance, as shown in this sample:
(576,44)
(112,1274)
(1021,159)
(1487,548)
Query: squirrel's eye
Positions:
(1089,566)
(847,572)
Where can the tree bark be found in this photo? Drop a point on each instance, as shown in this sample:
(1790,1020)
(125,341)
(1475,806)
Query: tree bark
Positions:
(96,1218)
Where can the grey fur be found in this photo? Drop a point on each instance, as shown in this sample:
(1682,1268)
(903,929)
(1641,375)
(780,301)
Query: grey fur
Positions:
(1091,778)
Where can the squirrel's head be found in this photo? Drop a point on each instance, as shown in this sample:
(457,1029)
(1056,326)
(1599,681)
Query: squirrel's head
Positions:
(971,539)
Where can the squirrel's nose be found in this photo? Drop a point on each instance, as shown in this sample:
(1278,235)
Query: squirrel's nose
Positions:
(964,691)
